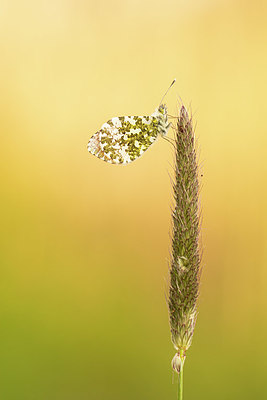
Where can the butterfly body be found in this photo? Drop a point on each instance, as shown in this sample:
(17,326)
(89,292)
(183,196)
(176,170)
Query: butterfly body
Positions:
(122,140)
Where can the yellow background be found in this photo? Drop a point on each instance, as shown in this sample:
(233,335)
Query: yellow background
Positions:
(84,243)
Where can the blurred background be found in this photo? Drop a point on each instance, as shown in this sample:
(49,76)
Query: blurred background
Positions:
(85,244)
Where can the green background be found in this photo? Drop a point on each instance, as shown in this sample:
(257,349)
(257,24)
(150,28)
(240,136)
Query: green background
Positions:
(85,244)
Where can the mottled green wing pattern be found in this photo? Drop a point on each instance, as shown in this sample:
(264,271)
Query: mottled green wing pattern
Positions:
(122,140)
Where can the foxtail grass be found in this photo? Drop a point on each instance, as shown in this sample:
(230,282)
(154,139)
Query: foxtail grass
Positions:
(185,254)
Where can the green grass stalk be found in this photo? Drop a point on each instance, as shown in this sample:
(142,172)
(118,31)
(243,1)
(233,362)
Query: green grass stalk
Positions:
(180,382)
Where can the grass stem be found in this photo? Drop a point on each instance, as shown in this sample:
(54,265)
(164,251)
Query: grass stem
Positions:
(180,381)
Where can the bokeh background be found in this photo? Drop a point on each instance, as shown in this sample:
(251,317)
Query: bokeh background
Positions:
(85,244)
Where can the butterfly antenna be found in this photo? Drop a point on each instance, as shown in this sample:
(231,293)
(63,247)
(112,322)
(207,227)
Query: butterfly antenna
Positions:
(173,82)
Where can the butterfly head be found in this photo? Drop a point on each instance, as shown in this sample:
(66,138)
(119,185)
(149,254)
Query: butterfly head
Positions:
(162,109)
(161,115)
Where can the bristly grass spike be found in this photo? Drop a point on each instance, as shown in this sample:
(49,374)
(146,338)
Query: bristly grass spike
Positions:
(122,140)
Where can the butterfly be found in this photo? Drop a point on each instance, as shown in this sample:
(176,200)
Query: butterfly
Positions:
(122,140)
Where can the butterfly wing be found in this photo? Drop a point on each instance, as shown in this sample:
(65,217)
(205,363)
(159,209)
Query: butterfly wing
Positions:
(122,140)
